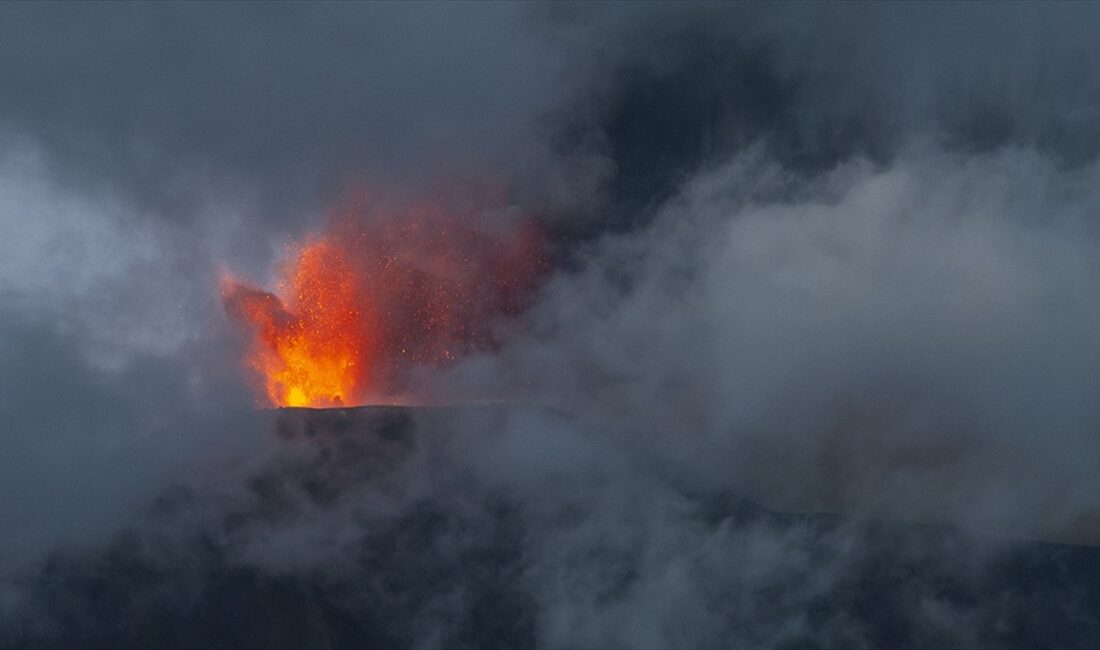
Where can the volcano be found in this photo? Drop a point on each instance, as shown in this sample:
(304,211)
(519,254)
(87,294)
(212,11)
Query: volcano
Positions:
(357,530)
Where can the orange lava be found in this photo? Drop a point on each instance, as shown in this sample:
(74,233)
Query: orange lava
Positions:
(361,304)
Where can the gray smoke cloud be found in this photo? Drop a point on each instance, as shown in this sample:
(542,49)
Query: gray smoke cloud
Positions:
(822,258)
(913,338)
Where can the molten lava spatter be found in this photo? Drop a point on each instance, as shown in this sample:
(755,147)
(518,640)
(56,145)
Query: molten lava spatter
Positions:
(361,304)
(312,344)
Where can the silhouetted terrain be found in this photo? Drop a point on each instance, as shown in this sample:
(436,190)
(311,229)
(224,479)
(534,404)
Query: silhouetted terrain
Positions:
(203,569)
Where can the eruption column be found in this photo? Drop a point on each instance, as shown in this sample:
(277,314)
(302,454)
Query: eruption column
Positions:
(359,305)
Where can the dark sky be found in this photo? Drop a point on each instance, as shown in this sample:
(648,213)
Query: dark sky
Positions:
(830,256)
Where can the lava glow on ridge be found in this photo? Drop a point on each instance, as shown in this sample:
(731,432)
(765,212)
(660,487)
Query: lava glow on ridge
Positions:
(359,305)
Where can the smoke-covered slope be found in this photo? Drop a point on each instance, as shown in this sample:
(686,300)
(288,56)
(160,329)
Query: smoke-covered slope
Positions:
(384,527)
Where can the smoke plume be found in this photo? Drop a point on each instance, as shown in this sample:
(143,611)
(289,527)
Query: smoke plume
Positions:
(800,304)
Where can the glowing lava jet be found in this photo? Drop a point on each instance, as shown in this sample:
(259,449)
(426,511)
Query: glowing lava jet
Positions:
(359,305)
